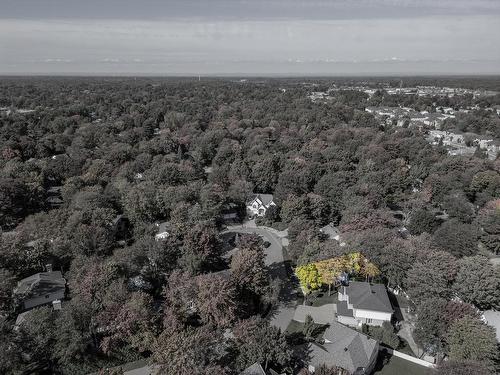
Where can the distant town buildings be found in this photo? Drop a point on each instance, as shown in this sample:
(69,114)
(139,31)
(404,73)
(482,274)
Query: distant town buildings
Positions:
(458,144)
(422,91)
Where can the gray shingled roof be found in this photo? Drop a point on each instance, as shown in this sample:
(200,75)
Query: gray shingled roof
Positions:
(343,309)
(344,347)
(264,198)
(363,295)
(330,230)
(41,284)
(162,227)
(255,369)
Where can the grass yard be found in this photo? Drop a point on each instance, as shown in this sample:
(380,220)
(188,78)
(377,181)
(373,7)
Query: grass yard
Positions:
(399,366)
(320,298)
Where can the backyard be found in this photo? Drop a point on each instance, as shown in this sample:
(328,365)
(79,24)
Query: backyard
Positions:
(398,366)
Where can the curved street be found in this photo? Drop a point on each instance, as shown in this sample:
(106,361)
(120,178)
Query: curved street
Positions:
(282,315)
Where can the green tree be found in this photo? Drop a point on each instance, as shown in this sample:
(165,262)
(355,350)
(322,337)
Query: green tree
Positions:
(256,341)
(7,284)
(490,236)
(422,221)
(431,276)
(385,334)
(201,248)
(477,282)
(470,339)
(460,367)
(430,329)
(37,337)
(249,270)
(458,206)
(189,351)
(216,300)
(457,238)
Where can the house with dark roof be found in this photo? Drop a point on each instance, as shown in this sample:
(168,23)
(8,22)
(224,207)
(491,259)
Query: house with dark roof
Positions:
(346,348)
(230,213)
(54,196)
(259,204)
(40,289)
(255,369)
(363,303)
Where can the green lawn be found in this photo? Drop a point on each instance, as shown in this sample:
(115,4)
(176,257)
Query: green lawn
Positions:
(320,298)
(399,366)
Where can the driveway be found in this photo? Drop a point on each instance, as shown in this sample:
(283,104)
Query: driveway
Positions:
(282,315)
(274,252)
(406,333)
(321,314)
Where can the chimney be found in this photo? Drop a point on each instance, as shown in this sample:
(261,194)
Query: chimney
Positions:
(57,305)
(48,267)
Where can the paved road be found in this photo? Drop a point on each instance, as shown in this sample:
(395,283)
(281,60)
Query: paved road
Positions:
(274,252)
(495,261)
(283,313)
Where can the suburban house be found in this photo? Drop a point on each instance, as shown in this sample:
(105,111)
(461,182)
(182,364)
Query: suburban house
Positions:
(259,204)
(230,213)
(256,369)
(492,318)
(346,348)
(41,288)
(54,196)
(331,232)
(162,232)
(363,303)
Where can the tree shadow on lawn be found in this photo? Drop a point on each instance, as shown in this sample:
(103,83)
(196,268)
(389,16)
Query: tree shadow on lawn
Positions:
(398,314)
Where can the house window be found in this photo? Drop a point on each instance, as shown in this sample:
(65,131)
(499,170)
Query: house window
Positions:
(369,320)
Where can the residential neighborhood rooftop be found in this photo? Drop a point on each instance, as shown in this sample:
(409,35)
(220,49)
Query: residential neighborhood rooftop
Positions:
(368,296)
(264,198)
(41,283)
(344,347)
(255,369)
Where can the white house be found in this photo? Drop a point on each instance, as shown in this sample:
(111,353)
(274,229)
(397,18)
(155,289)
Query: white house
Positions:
(363,303)
(162,232)
(259,204)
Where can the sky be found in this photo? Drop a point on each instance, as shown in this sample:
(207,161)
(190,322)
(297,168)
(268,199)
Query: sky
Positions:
(249,37)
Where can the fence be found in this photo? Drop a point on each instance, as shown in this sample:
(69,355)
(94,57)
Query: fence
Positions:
(407,357)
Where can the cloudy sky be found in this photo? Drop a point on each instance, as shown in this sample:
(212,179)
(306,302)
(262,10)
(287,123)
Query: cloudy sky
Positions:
(290,37)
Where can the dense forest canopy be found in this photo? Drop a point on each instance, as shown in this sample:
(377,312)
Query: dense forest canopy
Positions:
(180,151)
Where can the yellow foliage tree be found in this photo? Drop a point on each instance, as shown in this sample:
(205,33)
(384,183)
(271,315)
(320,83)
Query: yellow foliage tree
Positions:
(309,277)
(370,270)
(330,269)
